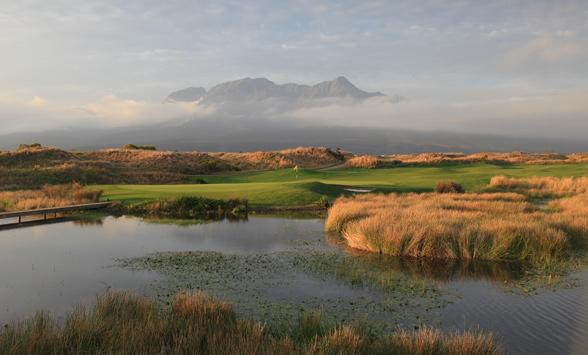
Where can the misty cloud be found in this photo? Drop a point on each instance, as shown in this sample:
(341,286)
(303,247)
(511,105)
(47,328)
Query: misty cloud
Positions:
(560,115)
(514,68)
(40,114)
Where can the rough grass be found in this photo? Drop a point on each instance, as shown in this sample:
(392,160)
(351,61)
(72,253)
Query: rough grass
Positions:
(48,196)
(302,157)
(123,323)
(542,185)
(449,226)
(366,161)
(460,158)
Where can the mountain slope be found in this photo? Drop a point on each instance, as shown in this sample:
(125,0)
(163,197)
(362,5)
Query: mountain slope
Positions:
(186,95)
(249,90)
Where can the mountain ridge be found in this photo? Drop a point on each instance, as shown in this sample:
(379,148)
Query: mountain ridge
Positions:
(248,90)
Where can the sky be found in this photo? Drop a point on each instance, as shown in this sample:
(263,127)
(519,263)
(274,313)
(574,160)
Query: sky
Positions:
(506,67)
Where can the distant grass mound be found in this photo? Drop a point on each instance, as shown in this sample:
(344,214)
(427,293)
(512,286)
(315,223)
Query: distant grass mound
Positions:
(38,156)
(32,166)
(310,158)
(432,159)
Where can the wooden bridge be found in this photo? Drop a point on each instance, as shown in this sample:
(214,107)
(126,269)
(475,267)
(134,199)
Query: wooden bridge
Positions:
(55,210)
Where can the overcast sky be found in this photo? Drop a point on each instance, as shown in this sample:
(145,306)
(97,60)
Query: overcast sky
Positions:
(516,67)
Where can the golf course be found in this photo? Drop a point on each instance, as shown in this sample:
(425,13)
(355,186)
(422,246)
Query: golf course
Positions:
(282,188)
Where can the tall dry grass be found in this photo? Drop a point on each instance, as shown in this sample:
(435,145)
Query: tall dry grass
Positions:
(48,196)
(303,157)
(366,162)
(460,158)
(545,185)
(449,226)
(123,323)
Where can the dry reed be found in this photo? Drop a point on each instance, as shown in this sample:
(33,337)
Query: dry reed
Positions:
(449,226)
(48,196)
(122,323)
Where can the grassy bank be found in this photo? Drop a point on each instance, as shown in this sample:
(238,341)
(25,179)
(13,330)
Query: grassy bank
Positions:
(279,188)
(186,206)
(122,323)
(47,196)
(468,226)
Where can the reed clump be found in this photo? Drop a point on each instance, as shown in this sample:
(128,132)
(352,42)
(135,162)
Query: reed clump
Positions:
(48,196)
(501,226)
(123,323)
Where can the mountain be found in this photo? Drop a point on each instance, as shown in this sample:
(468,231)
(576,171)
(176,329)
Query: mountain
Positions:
(186,95)
(249,90)
(257,114)
(340,88)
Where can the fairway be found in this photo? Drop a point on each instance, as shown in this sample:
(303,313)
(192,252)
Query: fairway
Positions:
(280,188)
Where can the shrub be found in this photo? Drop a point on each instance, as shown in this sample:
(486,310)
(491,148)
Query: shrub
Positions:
(209,165)
(147,147)
(444,187)
(140,147)
(324,202)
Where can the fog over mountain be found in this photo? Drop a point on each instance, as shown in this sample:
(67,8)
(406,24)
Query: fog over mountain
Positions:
(257,114)
(288,96)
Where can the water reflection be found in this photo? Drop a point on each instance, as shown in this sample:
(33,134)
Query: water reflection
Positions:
(55,265)
(87,222)
(440,269)
(186,221)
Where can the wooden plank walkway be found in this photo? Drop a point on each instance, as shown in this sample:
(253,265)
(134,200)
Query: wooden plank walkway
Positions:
(55,210)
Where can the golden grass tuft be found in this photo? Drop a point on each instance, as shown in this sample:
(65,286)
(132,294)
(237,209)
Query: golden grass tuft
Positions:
(48,196)
(544,185)
(366,162)
(123,323)
(449,226)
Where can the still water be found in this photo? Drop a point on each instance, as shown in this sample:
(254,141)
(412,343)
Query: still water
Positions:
(56,266)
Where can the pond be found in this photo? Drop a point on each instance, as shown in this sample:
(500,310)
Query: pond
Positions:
(271,269)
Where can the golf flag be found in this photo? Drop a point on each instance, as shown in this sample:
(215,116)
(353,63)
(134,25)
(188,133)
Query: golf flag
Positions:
(296,168)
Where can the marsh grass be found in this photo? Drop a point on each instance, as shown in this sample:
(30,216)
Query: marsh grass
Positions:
(500,226)
(123,323)
(48,196)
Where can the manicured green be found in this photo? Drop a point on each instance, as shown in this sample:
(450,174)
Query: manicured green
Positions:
(279,188)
